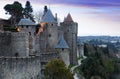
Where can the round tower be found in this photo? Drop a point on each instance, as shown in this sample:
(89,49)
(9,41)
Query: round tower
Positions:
(69,28)
(63,50)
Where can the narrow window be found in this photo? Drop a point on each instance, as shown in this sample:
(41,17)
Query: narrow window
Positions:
(62,49)
(49,35)
(51,24)
(16,54)
(26,26)
(22,26)
(30,33)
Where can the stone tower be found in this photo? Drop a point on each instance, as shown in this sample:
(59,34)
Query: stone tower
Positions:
(63,49)
(50,31)
(27,26)
(69,28)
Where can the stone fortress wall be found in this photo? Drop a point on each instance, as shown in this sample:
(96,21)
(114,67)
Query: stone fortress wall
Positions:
(23,55)
(15,62)
(20,68)
(14,44)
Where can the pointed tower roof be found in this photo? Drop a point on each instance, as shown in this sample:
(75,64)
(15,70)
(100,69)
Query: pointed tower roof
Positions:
(25,21)
(62,43)
(68,18)
(48,17)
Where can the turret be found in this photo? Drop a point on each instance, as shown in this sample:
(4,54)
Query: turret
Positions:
(49,26)
(63,49)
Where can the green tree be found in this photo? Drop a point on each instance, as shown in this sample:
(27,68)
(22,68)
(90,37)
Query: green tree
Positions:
(15,10)
(28,11)
(56,69)
(97,64)
(85,49)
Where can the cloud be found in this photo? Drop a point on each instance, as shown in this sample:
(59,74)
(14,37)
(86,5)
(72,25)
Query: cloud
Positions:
(89,3)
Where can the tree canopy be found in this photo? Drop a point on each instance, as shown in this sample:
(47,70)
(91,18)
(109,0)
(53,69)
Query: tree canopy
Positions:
(56,69)
(28,11)
(98,64)
(15,10)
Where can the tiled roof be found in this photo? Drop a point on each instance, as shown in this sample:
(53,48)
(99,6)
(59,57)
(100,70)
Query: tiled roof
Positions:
(62,43)
(68,18)
(25,21)
(48,17)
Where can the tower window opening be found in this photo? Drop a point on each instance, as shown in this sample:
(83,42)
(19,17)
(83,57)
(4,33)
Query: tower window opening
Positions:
(49,35)
(29,33)
(22,26)
(62,49)
(16,54)
(51,24)
(68,30)
(26,26)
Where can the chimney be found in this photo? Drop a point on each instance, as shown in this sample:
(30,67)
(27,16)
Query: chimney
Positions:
(45,9)
(56,16)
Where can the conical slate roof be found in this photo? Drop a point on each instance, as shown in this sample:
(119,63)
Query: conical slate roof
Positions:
(62,43)
(25,21)
(48,17)
(68,18)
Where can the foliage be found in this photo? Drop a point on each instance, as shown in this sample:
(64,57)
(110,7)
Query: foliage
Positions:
(88,49)
(109,66)
(100,42)
(28,8)
(80,57)
(9,28)
(98,64)
(85,50)
(71,65)
(15,10)
(56,69)
(28,11)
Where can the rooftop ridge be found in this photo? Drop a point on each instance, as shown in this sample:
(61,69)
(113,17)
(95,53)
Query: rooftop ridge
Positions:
(48,17)
(68,18)
(26,21)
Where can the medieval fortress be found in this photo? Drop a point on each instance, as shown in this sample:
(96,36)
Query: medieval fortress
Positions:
(24,53)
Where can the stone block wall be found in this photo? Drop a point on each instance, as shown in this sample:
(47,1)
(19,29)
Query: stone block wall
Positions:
(14,44)
(70,35)
(52,39)
(20,68)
